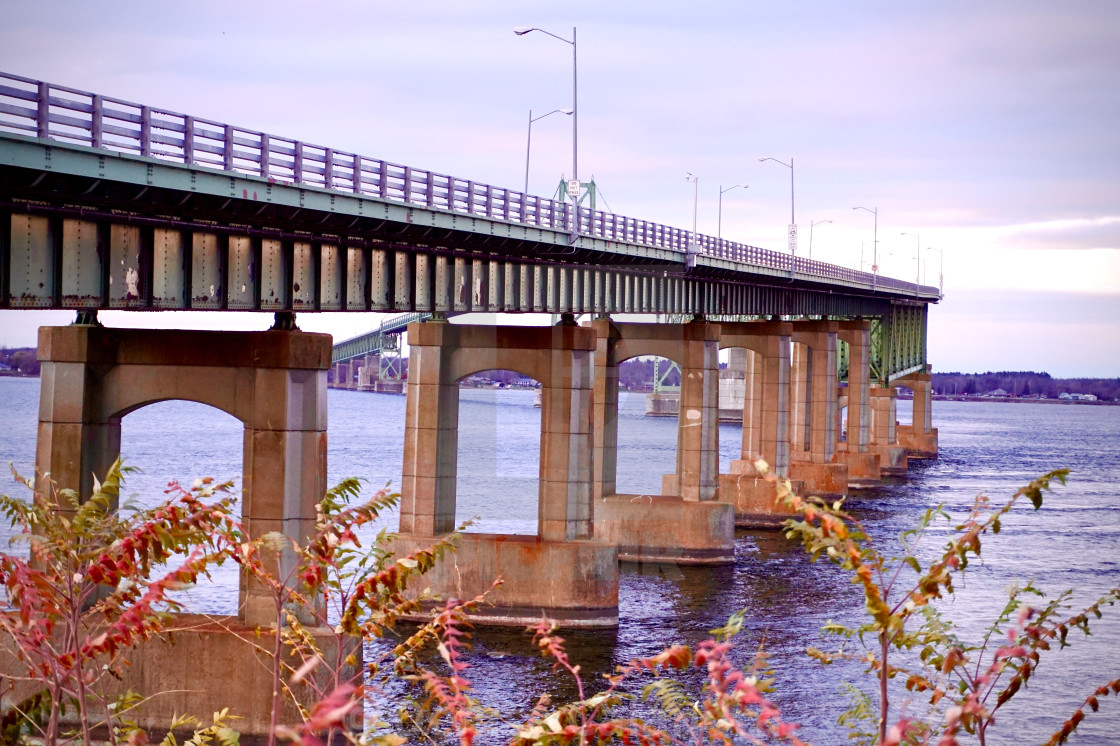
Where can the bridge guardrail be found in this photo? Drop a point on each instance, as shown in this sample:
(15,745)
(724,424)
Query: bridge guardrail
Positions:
(69,115)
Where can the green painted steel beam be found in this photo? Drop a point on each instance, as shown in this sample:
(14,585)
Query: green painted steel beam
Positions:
(45,156)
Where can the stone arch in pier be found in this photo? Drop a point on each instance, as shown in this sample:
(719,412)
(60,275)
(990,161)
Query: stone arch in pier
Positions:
(559,571)
(182,439)
(762,357)
(685,523)
(498,474)
(692,346)
(657,455)
(441,355)
(766,390)
(274,382)
(853,428)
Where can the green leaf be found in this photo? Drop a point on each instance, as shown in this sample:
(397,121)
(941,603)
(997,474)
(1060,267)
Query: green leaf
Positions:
(733,627)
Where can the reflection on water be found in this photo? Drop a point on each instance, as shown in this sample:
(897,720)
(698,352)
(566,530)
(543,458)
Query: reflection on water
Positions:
(1072,542)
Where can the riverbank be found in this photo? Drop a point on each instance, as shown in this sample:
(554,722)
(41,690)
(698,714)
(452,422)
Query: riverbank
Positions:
(1011,400)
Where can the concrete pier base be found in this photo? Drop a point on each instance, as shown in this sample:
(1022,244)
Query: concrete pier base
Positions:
(864,470)
(893,459)
(918,445)
(821,480)
(663,405)
(178,673)
(754,498)
(666,528)
(384,386)
(920,437)
(573,582)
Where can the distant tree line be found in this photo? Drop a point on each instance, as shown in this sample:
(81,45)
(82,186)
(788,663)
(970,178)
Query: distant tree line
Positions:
(502,376)
(636,374)
(1020,383)
(20,360)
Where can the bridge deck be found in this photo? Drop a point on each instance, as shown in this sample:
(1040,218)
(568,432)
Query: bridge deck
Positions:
(158,151)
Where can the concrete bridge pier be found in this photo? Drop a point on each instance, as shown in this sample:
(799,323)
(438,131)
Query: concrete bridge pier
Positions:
(369,377)
(920,437)
(893,460)
(342,375)
(368,372)
(350,383)
(855,450)
(685,524)
(813,453)
(275,383)
(766,421)
(560,571)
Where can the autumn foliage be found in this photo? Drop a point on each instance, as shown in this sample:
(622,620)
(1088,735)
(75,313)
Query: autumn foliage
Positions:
(96,582)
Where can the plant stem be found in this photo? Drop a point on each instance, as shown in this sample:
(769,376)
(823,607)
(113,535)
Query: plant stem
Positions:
(76,650)
(884,702)
(276,651)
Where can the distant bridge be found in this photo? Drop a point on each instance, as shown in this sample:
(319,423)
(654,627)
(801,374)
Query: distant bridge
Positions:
(384,337)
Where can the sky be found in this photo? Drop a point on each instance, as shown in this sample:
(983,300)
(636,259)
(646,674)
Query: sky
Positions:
(987,132)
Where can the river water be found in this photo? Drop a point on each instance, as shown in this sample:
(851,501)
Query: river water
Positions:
(1072,542)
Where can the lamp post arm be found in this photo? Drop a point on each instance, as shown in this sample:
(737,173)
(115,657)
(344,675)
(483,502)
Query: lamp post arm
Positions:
(522,32)
(529,137)
(575,108)
(719,218)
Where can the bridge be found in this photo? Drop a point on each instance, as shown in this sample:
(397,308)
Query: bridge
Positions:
(109,204)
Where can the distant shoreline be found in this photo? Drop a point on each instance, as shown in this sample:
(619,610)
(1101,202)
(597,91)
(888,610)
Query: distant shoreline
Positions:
(1012,400)
(936,397)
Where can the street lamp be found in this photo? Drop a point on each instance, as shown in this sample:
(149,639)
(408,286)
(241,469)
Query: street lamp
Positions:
(521,31)
(941,271)
(811,224)
(918,259)
(874,248)
(529,138)
(719,219)
(792,221)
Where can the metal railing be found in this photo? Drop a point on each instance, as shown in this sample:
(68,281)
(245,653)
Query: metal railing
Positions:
(68,115)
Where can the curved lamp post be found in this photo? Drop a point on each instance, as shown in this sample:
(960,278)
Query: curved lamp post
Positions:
(521,31)
(529,137)
(792,220)
(818,222)
(719,220)
(875,247)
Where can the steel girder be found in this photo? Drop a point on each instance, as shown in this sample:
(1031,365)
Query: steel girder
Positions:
(90,229)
